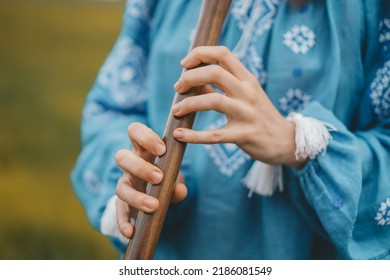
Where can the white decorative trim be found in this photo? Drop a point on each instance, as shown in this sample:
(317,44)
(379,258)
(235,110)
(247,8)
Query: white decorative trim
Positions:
(300,39)
(383,214)
(108,222)
(380,92)
(311,135)
(264,179)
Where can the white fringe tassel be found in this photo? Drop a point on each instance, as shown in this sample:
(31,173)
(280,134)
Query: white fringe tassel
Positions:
(263,179)
(311,138)
(311,135)
(108,224)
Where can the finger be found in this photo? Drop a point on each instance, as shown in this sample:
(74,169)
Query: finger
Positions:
(180,178)
(212,136)
(212,101)
(220,55)
(210,74)
(123,218)
(179,193)
(136,199)
(207,89)
(143,138)
(138,167)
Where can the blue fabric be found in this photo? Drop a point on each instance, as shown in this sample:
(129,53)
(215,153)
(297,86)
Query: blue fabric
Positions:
(330,60)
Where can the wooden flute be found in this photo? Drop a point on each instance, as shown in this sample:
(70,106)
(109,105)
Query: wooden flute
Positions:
(148,227)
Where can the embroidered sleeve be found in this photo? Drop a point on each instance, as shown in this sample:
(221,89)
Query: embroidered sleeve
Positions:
(117,99)
(345,193)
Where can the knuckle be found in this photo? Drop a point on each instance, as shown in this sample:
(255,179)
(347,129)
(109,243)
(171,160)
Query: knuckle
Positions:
(216,136)
(218,101)
(215,71)
(249,89)
(196,51)
(189,105)
(117,203)
(119,191)
(252,80)
(251,98)
(223,51)
(138,169)
(184,77)
(195,137)
(184,104)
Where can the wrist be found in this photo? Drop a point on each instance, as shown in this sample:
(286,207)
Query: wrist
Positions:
(287,146)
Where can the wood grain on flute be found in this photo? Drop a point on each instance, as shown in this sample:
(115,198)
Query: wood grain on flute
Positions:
(148,227)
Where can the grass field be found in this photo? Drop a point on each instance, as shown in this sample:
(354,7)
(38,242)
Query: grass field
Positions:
(50,53)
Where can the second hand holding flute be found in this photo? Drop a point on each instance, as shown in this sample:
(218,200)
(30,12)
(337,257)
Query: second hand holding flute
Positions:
(148,227)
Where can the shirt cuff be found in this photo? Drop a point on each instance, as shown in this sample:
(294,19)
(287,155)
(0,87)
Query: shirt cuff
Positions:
(108,222)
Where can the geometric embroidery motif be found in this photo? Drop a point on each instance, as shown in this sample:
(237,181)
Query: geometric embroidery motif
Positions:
(384,35)
(380,92)
(227,157)
(123,74)
(383,214)
(259,14)
(253,17)
(254,63)
(294,101)
(300,39)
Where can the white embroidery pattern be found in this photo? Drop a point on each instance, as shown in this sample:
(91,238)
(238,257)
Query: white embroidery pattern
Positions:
(294,101)
(380,92)
(260,14)
(383,215)
(384,34)
(138,9)
(124,73)
(91,181)
(254,63)
(96,113)
(227,157)
(300,39)
(254,17)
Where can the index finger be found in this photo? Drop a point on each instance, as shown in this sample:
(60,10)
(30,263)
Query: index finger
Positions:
(220,55)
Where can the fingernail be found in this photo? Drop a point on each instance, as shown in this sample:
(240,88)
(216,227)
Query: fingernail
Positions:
(150,202)
(176,107)
(156,176)
(160,148)
(178,134)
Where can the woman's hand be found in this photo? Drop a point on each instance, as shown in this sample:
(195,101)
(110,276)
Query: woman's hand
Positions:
(138,169)
(254,124)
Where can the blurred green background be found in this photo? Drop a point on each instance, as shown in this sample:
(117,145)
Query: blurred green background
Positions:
(50,52)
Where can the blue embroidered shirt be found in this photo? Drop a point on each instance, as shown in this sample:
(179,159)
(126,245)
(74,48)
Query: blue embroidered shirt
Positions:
(330,60)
